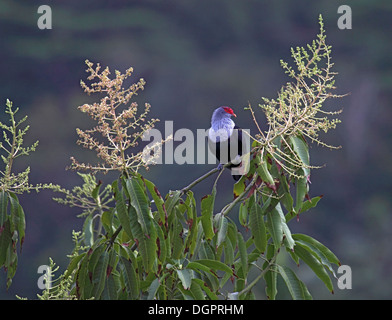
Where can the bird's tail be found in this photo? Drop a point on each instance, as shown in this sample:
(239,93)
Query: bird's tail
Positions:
(236,177)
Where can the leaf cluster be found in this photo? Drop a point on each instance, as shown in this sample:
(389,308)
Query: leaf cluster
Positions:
(12,231)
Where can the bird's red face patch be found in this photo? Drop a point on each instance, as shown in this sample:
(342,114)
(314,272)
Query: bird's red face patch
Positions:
(229,111)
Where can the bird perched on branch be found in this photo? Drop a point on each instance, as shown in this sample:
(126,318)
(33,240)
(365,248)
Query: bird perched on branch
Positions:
(225,140)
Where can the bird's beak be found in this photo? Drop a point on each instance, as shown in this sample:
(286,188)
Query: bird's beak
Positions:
(234,115)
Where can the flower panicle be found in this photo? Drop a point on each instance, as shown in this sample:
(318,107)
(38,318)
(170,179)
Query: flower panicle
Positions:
(120,122)
(298,109)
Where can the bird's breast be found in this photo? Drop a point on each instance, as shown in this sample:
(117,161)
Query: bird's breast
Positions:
(220,135)
(221,131)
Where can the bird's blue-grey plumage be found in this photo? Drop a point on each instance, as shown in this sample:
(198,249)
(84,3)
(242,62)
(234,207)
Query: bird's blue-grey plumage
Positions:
(225,138)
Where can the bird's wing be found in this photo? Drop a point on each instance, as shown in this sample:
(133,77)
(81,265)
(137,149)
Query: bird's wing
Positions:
(238,132)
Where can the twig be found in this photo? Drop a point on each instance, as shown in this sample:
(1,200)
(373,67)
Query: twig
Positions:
(113,237)
(255,121)
(230,206)
(203,177)
(267,268)
(217,178)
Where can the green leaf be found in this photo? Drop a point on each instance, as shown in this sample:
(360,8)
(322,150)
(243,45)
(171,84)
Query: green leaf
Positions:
(239,187)
(146,243)
(153,288)
(195,234)
(301,149)
(113,260)
(73,264)
(3,207)
(110,289)
(185,275)
(284,193)
(99,274)
(82,277)
(296,287)
(315,265)
(256,224)
(162,245)
(5,241)
(205,288)
(11,265)
(194,265)
(310,204)
(317,254)
(243,254)
(270,276)
(274,226)
(17,217)
(288,239)
(158,200)
(196,290)
(140,202)
(131,280)
(207,209)
(229,252)
(222,229)
(321,252)
(93,256)
(208,265)
(193,223)
(107,222)
(243,215)
(121,209)
(232,233)
(269,201)
(171,201)
(176,239)
(206,251)
(322,248)
(302,190)
(88,231)
(305,207)
(95,192)
(262,169)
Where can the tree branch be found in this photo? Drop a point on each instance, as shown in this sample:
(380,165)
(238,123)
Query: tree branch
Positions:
(230,206)
(267,268)
(203,177)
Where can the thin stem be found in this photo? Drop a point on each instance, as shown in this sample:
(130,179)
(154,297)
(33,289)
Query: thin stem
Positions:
(231,205)
(255,121)
(12,152)
(261,275)
(217,178)
(203,177)
(114,236)
(100,212)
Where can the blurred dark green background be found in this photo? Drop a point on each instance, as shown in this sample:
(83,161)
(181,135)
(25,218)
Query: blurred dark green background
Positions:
(197,55)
